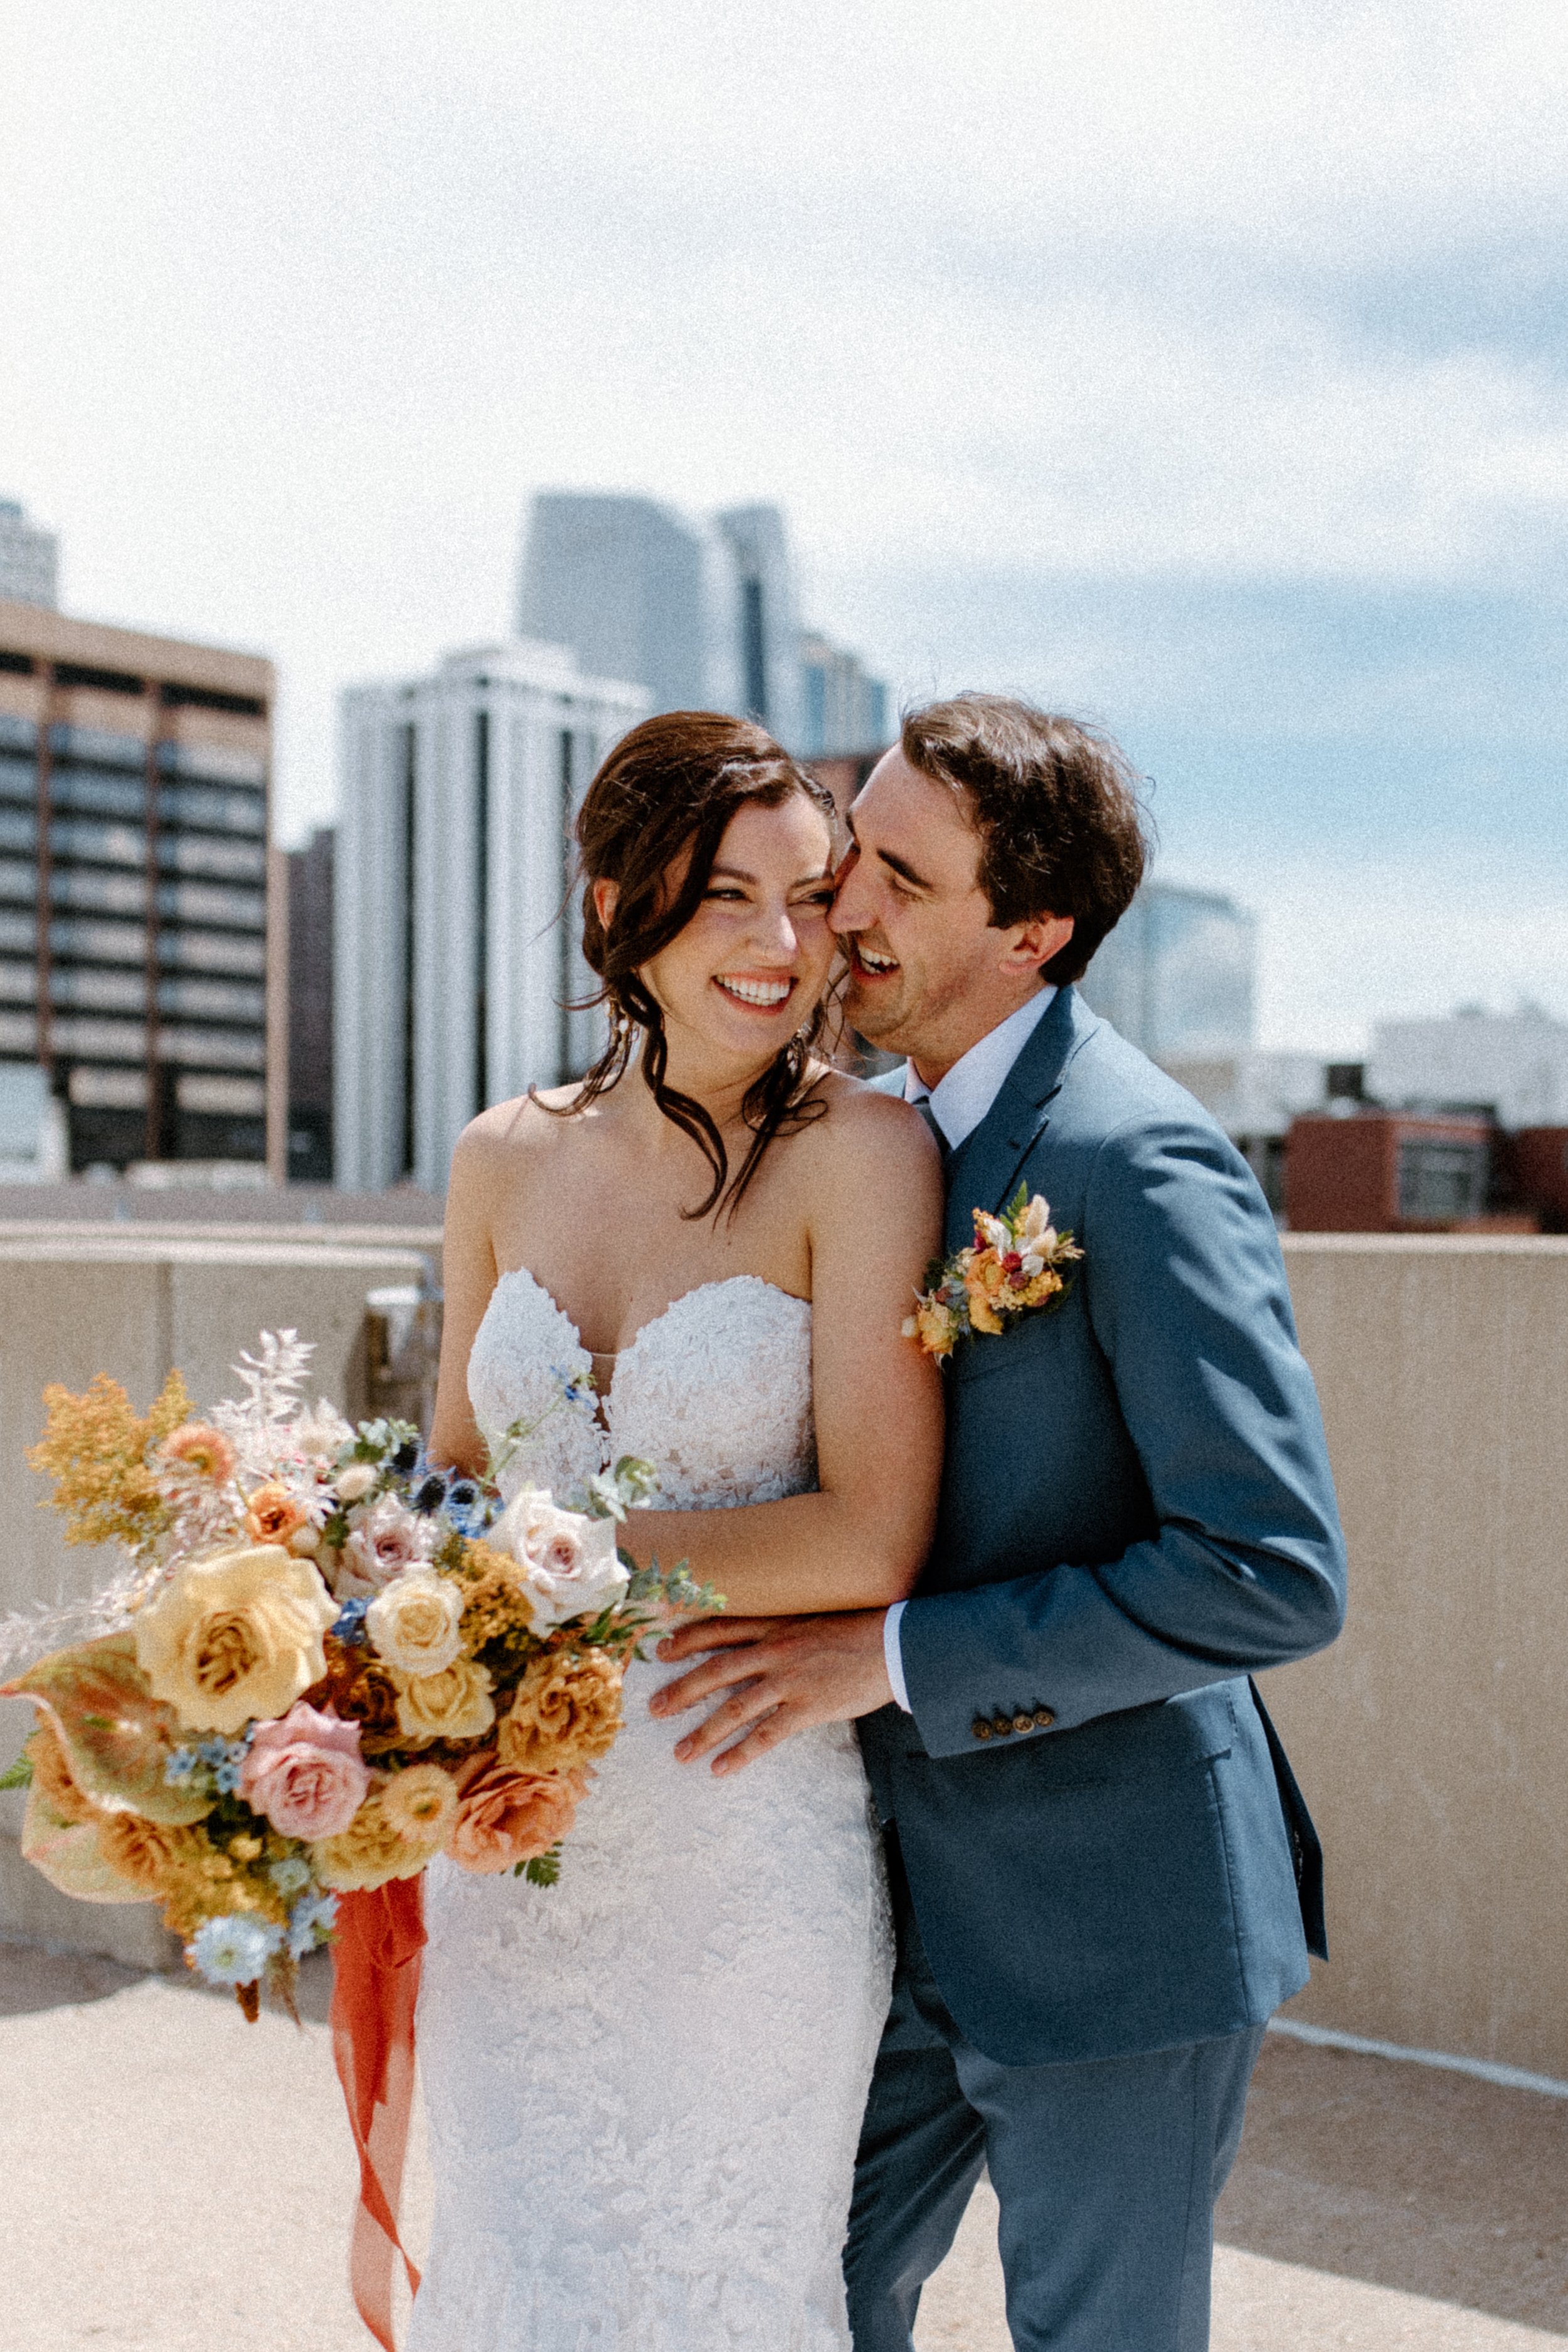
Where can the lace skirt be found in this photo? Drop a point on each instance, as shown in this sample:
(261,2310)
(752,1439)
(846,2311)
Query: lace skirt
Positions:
(645,2085)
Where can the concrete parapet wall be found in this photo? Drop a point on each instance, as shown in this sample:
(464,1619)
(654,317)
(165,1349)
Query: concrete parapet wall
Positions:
(135,1305)
(1432,1740)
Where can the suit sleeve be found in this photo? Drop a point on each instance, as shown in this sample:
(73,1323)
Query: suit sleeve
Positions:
(1185,1287)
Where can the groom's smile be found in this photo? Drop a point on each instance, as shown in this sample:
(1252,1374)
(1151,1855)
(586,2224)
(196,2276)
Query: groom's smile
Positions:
(930,969)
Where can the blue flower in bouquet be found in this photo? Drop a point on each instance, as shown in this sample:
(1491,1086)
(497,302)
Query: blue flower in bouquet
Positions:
(235,1950)
(465,1507)
(348,1626)
(212,1752)
(289,1875)
(182,1768)
(573,1392)
(311,1923)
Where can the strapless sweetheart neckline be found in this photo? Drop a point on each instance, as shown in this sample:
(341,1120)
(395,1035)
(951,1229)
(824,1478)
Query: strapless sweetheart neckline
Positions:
(618,1356)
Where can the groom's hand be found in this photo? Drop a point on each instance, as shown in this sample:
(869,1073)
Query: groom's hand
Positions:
(781,1674)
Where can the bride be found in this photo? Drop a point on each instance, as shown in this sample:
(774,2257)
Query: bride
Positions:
(645,2085)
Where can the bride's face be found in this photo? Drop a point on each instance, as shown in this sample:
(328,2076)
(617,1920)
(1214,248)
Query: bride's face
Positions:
(751,965)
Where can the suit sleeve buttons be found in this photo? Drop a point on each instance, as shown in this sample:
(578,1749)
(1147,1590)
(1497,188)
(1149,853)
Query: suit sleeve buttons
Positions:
(1022,1723)
(1043,1718)
(981,1727)
(1003,1726)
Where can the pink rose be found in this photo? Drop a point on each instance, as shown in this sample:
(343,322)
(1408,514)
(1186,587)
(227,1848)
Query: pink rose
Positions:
(506,1817)
(305,1773)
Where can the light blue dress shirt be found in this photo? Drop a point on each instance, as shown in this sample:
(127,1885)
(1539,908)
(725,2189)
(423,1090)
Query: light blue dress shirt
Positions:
(958,1103)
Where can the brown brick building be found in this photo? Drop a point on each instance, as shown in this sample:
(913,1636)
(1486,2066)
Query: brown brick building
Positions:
(142,917)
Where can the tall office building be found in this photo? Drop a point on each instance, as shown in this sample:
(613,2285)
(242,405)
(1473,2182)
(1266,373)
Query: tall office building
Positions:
(1178,974)
(30,559)
(455,967)
(844,710)
(134,896)
(701,613)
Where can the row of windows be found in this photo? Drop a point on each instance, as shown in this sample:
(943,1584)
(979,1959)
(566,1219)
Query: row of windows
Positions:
(126,893)
(126,845)
(95,990)
(99,1039)
(171,694)
(209,763)
(105,942)
(198,1090)
(209,808)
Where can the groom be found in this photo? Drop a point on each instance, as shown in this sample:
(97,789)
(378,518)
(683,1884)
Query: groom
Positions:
(1104,1878)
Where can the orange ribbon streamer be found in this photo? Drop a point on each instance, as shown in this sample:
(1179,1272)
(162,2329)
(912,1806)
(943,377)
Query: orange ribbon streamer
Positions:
(375,1986)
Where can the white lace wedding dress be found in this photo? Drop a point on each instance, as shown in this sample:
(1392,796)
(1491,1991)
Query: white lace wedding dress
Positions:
(645,2085)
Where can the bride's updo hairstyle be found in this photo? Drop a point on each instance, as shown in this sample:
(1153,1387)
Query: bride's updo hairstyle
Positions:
(665,792)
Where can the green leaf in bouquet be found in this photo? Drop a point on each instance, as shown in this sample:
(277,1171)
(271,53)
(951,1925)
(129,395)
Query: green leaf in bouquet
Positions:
(18,1775)
(545,1870)
(117,1737)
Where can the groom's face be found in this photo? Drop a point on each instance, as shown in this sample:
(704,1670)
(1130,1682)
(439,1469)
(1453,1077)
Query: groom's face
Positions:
(929,973)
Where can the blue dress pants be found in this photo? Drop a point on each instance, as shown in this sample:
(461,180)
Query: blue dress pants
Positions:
(1107,2173)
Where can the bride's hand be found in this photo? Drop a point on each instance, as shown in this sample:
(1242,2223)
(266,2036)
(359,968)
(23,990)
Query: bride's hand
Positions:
(781,1674)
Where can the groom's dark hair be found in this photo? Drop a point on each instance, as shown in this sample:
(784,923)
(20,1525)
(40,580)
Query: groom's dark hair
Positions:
(1062,828)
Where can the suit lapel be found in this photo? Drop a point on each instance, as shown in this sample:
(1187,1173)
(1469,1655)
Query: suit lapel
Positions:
(984,1171)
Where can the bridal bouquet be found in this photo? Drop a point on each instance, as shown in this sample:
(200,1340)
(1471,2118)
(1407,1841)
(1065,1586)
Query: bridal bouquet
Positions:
(324,1663)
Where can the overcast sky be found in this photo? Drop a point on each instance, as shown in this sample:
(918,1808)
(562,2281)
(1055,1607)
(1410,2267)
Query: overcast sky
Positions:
(1200,367)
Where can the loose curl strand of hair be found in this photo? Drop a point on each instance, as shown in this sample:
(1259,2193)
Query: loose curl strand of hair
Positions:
(669,790)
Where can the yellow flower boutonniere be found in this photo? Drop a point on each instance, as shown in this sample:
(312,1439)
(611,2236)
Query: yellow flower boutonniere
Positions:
(1015,1265)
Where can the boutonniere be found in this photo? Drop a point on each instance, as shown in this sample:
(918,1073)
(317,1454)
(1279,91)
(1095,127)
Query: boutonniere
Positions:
(1015,1267)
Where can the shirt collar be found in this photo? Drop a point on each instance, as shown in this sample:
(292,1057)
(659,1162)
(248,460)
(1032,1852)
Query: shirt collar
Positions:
(960,1100)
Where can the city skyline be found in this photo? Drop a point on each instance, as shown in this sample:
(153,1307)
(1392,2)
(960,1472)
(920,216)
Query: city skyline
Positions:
(1234,415)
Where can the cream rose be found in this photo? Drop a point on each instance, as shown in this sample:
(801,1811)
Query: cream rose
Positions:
(569,1562)
(234,1636)
(386,1539)
(455,1704)
(415,1623)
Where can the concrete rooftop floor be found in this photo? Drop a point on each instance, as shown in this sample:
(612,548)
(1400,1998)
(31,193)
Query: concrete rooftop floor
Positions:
(176,2181)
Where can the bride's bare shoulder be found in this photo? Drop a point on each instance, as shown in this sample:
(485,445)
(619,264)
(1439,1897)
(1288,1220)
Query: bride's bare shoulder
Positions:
(513,1138)
(871,1136)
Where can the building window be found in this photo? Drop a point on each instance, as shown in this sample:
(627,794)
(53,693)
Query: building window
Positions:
(1442,1180)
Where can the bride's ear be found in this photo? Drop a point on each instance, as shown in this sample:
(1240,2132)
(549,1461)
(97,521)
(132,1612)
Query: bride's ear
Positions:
(606,895)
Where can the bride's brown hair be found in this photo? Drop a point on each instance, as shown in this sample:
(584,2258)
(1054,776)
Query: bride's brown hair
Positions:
(668,789)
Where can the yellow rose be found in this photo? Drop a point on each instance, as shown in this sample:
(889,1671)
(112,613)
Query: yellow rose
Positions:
(414,1622)
(567,1712)
(455,1704)
(235,1635)
(372,1849)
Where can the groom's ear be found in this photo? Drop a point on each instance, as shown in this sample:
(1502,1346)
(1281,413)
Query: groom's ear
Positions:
(1032,945)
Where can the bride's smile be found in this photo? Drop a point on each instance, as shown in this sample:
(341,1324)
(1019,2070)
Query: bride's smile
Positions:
(755,959)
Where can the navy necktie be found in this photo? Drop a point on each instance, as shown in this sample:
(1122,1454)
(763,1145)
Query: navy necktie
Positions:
(923,1104)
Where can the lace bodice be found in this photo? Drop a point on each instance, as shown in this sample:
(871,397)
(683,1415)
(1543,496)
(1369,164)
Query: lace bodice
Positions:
(645,2085)
(715,1392)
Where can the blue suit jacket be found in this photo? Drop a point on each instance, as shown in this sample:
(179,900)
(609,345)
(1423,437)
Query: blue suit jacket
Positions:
(1136,1513)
